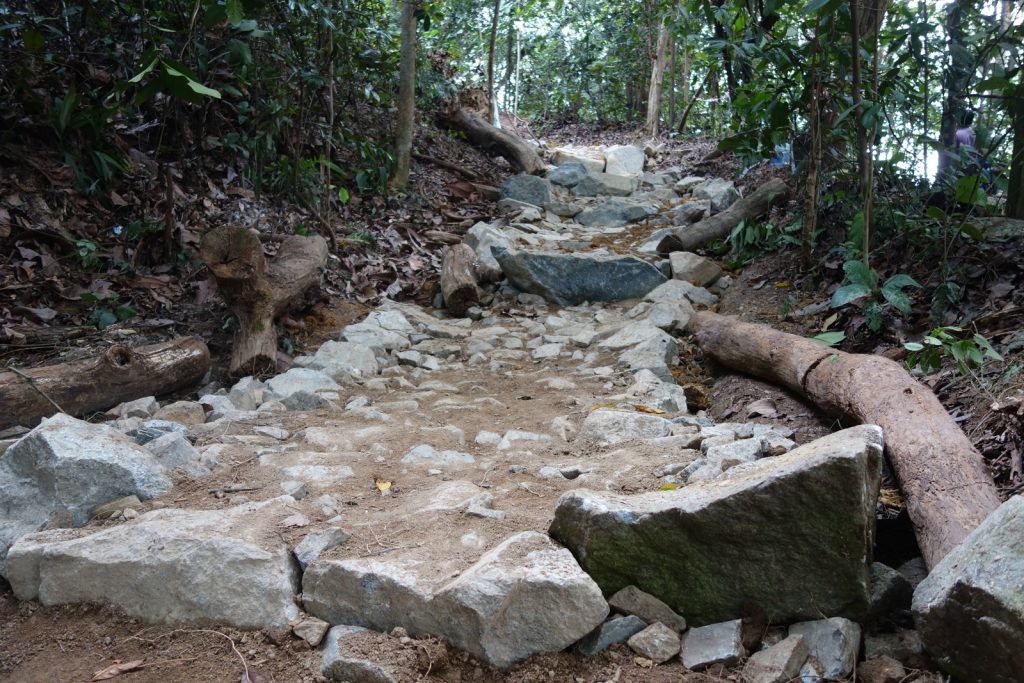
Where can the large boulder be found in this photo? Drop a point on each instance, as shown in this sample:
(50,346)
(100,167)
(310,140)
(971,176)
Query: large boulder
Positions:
(343,361)
(57,473)
(209,566)
(570,279)
(615,213)
(568,175)
(597,184)
(970,609)
(720,193)
(624,160)
(564,156)
(789,535)
(525,596)
(530,189)
(481,237)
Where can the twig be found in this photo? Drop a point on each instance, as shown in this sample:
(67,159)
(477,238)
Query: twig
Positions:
(469,175)
(234,488)
(35,386)
(245,667)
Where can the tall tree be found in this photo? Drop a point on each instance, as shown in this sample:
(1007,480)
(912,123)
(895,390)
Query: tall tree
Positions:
(657,79)
(956,80)
(406,95)
(491,96)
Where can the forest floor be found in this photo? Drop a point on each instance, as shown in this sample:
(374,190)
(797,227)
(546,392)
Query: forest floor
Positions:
(54,287)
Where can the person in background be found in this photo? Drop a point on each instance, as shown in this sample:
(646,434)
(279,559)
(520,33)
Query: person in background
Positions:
(965,136)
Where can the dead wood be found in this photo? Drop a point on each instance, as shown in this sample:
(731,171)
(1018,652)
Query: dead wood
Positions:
(459,278)
(465,173)
(495,141)
(93,384)
(690,237)
(947,489)
(257,292)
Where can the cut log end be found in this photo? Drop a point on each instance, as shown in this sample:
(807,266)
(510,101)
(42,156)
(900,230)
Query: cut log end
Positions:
(459,279)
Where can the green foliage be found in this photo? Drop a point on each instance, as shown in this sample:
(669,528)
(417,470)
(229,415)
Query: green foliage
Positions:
(950,342)
(752,238)
(107,310)
(862,283)
(830,338)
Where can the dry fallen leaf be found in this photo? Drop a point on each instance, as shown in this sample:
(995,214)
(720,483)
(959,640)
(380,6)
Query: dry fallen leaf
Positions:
(296,521)
(116,669)
(644,409)
(764,407)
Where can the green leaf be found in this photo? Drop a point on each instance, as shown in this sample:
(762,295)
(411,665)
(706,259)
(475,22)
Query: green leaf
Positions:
(203,90)
(234,8)
(829,338)
(973,231)
(859,273)
(849,294)
(969,191)
(142,74)
(33,41)
(822,6)
(897,298)
(343,195)
(935,212)
(899,281)
(913,346)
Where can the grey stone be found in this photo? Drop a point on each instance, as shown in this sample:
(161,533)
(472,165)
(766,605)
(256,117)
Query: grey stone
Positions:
(115,506)
(247,394)
(173,450)
(311,630)
(686,184)
(154,429)
(631,335)
(57,473)
(571,279)
(525,596)
(680,290)
(735,453)
(526,188)
(617,630)
(597,184)
(304,400)
(295,489)
(970,609)
(546,351)
(655,355)
(904,645)
(344,360)
(188,413)
(605,427)
(425,454)
(889,592)
(657,642)
(812,671)
(632,600)
(779,663)
(650,245)
(140,407)
(914,571)
(808,516)
(721,193)
(720,643)
(671,316)
(563,209)
(311,545)
(615,213)
(694,269)
(338,665)
(481,237)
(169,565)
(568,174)
(379,339)
(650,390)
(834,642)
(691,212)
(562,157)
(301,379)
(624,160)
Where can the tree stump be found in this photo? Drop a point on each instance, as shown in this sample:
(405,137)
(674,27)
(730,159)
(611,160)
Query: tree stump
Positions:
(459,278)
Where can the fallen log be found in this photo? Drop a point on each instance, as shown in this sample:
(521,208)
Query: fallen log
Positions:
(690,237)
(93,384)
(947,489)
(459,278)
(495,141)
(257,292)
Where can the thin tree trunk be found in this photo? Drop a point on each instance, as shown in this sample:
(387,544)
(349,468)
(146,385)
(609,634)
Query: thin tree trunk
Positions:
(491,96)
(406,95)
(955,81)
(693,100)
(926,94)
(655,86)
(1015,193)
(814,160)
(863,158)
(672,84)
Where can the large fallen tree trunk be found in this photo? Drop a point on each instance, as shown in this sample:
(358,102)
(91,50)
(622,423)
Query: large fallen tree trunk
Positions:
(458,279)
(947,489)
(690,237)
(257,292)
(495,141)
(86,386)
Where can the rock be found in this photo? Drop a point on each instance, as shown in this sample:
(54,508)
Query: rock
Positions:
(834,642)
(624,160)
(311,545)
(369,333)
(650,245)
(691,212)
(563,209)
(680,290)
(571,279)
(808,515)
(655,355)
(247,394)
(295,489)
(721,193)
(301,379)
(779,663)
(914,571)
(209,566)
(140,407)
(651,391)
(597,184)
(632,600)
(671,316)
(568,175)
(57,473)
(615,213)
(881,670)
(188,413)
(173,450)
(728,455)
(304,400)
(116,506)
(616,630)
(563,157)
(525,596)
(481,237)
(344,360)
(526,188)
(425,454)
(311,630)
(631,335)
(903,645)
(150,430)
(686,184)
(657,643)
(970,609)
(889,592)
(694,269)
(546,351)
(720,643)
(604,427)
(340,665)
